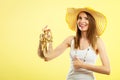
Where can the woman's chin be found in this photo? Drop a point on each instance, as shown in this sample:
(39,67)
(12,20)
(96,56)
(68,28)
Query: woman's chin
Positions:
(83,29)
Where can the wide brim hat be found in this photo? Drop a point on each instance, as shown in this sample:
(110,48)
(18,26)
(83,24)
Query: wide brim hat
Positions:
(71,19)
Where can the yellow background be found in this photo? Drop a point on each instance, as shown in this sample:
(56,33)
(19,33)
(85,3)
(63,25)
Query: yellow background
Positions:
(21,22)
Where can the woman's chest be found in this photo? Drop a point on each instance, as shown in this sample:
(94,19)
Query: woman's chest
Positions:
(87,55)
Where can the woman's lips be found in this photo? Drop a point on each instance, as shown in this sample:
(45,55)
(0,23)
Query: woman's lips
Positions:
(82,26)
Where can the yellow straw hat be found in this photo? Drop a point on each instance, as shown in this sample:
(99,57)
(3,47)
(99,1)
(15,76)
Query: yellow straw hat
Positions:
(71,18)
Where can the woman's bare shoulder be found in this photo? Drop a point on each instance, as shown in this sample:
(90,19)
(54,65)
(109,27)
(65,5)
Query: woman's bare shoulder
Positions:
(69,39)
(100,43)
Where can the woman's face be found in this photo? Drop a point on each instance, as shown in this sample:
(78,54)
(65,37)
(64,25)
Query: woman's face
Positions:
(82,22)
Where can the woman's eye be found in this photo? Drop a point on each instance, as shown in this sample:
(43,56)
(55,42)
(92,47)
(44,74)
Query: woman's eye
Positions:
(79,18)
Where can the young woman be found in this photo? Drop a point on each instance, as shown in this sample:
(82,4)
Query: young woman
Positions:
(84,46)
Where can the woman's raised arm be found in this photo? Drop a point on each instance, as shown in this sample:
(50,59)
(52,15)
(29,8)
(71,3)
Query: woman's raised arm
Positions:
(49,53)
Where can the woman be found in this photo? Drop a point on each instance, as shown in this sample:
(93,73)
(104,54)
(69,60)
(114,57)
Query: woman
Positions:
(84,46)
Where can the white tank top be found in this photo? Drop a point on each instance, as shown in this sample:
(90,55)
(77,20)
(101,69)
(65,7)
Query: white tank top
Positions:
(89,56)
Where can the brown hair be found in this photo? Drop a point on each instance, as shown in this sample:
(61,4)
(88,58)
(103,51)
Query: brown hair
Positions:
(91,32)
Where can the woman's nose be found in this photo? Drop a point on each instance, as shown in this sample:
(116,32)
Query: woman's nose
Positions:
(82,20)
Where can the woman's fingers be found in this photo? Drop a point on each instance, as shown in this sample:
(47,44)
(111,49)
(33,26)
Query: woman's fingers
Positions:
(75,58)
(46,28)
(47,34)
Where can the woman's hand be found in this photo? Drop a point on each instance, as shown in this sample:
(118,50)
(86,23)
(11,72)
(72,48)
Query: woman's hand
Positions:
(47,33)
(77,63)
(45,42)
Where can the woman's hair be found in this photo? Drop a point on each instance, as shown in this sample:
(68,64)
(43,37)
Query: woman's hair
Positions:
(91,32)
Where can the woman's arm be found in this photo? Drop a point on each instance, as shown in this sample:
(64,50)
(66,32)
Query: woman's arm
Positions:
(53,53)
(104,68)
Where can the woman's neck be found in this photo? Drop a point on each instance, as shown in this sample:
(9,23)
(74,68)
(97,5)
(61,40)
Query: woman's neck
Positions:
(84,35)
